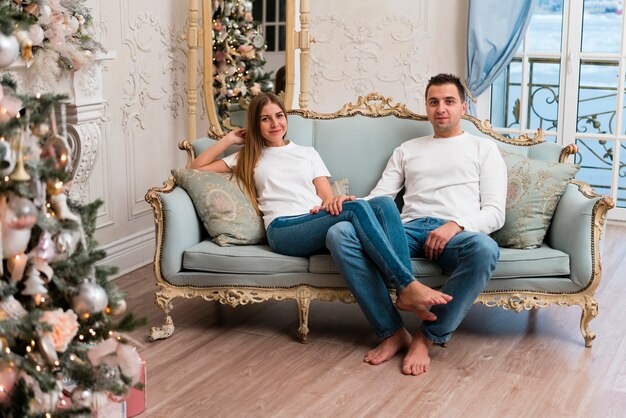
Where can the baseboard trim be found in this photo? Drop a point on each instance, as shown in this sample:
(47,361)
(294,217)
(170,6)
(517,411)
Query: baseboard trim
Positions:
(129,253)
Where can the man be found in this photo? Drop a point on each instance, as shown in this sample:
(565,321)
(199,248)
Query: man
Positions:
(455,194)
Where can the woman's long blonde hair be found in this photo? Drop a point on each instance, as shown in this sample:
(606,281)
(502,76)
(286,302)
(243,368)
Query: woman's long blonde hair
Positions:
(251,152)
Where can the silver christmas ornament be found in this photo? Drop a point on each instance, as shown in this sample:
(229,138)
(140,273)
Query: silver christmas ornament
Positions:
(119,308)
(9,50)
(24,212)
(8,158)
(91,298)
(65,243)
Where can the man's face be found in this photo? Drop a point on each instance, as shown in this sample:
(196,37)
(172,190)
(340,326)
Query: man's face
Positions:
(445,108)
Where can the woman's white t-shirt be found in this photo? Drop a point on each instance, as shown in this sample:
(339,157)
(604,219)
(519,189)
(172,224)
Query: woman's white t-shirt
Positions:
(284,180)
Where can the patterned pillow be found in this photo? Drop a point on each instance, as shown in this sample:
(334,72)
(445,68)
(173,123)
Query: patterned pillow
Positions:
(534,189)
(226,212)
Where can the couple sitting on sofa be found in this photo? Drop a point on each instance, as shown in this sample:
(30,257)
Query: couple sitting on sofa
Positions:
(454,195)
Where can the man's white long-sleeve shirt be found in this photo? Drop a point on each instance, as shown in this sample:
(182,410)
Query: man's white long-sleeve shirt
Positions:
(461,179)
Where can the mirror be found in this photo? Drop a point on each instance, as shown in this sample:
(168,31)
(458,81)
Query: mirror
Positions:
(199,37)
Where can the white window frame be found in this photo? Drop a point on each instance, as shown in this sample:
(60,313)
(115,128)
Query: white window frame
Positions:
(570,59)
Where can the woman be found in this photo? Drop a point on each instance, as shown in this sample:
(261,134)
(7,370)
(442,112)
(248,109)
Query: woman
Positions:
(288,184)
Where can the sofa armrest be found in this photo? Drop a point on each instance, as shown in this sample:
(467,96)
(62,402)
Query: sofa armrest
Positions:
(178,227)
(576,229)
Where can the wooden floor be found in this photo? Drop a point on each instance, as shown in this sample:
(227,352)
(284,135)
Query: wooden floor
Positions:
(246,362)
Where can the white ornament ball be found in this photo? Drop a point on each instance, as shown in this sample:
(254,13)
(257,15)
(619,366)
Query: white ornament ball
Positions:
(82,397)
(119,308)
(73,24)
(9,50)
(35,33)
(91,298)
(45,14)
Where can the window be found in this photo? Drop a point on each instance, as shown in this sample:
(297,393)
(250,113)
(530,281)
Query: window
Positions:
(566,78)
(272,15)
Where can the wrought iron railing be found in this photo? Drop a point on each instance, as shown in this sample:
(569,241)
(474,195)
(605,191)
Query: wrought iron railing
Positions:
(542,97)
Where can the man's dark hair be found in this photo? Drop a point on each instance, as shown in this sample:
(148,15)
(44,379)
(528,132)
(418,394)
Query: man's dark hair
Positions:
(441,79)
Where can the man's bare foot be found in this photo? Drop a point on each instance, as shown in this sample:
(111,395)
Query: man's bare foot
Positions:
(389,347)
(417,359)
(416,296)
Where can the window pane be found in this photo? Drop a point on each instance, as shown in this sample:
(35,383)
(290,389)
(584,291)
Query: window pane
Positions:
(505,96)
(257,10)
(597,97)
(595,159)
(544,31)
(602,26)
(282,11)
(543,97)
(270,10)
(281,38)
(270,38)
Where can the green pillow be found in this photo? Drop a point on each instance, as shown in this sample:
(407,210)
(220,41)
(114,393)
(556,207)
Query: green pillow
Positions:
(533,191)
(226,212)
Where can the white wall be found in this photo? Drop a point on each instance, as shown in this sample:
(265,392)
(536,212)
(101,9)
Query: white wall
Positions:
(390,47)
(145,117)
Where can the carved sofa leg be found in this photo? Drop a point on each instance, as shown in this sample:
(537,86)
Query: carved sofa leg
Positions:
(163,299)
(303,296)
(590,311)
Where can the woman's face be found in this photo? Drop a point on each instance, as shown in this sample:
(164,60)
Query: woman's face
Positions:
(273,125)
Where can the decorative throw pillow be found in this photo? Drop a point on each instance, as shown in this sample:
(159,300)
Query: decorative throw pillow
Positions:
(534,189)
(226,212)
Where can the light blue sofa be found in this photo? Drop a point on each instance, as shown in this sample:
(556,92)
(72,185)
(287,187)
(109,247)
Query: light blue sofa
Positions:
(356,143)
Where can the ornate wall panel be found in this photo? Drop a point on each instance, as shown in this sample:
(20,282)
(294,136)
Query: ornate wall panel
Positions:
(365,46)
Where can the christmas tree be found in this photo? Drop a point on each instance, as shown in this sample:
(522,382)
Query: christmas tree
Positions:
(52,35)
(238,46)
(61,353)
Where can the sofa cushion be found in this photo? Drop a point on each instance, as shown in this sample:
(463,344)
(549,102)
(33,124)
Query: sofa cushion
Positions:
(226,212)
(543,261)
(323,263)
(534,189)
(249,259)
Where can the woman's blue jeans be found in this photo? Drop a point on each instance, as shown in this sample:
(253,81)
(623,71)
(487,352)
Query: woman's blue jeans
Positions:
(304,235)
(469,258)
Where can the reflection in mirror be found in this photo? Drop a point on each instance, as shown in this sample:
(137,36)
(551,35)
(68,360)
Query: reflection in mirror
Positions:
(234,67)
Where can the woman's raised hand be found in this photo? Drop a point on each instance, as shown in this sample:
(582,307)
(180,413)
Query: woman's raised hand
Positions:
(236,137)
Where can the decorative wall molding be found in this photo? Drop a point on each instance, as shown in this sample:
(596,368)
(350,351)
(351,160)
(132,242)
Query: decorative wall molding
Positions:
(375,50)
(156,54)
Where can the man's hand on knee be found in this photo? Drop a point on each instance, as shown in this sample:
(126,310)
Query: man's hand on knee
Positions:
(438,238)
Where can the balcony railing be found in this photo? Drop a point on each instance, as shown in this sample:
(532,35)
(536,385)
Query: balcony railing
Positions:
(595,156)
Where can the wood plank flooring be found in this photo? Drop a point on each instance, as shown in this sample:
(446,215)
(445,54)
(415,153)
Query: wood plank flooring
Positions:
(246,361)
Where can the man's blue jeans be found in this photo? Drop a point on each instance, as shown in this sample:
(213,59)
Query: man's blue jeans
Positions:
(469,259)
(303,235)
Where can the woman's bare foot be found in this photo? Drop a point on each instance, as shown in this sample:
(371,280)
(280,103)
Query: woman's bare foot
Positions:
(417,359)
(389,347)
(416,297)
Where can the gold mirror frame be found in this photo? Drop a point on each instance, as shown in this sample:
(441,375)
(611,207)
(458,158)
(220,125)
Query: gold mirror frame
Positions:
(201,37)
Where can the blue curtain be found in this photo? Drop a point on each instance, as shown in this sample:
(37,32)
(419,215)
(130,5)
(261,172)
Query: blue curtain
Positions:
(495,31)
